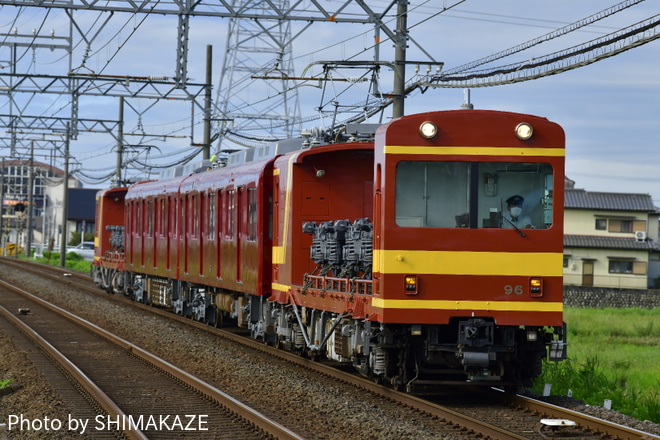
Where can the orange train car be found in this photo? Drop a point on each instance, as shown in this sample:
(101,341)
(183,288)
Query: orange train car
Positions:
(426,253)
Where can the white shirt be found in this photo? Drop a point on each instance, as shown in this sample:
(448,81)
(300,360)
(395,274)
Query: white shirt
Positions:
(522,222)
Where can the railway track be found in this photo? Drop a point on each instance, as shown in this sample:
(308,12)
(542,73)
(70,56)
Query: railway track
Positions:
(136,394)
(508,417)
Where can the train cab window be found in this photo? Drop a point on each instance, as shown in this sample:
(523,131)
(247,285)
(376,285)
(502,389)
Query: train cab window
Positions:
(474,195)
(515,195)
(431,194)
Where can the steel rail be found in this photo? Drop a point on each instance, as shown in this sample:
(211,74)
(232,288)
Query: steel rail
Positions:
(584,421)
(92,390)
(248,414)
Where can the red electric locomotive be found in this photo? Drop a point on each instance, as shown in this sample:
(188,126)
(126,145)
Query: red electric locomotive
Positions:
(430,253)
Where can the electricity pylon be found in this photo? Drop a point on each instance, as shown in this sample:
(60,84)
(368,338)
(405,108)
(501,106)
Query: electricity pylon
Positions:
(248,112)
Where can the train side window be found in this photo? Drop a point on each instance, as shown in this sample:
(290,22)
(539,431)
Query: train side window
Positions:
(230,224)
(150,218)
(194,208)
(138,218)
(162,213)
(182,217)
(212,216)
(252,214)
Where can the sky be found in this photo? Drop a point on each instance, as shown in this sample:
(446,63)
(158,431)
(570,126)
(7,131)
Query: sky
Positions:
(610,109)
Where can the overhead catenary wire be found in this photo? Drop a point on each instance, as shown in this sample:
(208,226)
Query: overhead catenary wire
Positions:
(576,56)
(572,27)
(353,55)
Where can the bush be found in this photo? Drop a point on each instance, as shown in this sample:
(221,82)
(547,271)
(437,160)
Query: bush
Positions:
(73,261)
(72,256)
(613,355)
(588,382)
(76,238)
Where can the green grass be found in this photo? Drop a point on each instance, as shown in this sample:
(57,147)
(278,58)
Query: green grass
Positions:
(5,383)
(72,261)
(613,354)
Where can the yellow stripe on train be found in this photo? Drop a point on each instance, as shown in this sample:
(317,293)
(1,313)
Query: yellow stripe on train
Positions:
(548,264)
(499,306)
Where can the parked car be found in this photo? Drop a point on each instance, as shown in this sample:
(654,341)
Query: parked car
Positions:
(84,249)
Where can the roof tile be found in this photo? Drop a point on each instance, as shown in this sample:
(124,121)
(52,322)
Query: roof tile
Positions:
(581,199)
(593,241)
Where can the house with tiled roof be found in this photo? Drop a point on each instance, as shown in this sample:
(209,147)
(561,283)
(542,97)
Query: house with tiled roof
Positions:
(610,240)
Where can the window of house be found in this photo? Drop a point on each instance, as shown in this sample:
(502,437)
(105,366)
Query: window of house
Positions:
(620,226)
(627,267)
(601,224)
(620,266)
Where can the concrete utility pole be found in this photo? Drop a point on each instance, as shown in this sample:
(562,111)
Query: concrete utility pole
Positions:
(65,200)
(120,141)
(28,227)
(208,102)
(400,45)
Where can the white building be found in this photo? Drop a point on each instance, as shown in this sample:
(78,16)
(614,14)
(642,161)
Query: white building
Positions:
(610,240)
(47,198)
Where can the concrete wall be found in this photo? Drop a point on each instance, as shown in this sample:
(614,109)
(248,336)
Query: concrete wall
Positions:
(600,298)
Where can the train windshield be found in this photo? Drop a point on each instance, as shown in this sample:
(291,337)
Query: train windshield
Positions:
(474,195)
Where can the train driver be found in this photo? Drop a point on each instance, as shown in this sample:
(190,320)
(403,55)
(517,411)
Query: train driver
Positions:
(514,217)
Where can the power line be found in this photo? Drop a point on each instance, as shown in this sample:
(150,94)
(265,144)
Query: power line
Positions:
(574,57)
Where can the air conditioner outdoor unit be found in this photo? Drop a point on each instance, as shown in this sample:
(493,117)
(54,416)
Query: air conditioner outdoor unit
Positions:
(640,235)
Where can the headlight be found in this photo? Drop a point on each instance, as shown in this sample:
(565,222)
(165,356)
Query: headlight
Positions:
(524,131)
(428,130)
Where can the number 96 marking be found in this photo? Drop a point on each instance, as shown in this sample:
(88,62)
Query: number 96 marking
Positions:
(518,290)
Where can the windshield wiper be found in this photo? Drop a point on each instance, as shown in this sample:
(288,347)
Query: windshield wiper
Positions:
(522,234)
